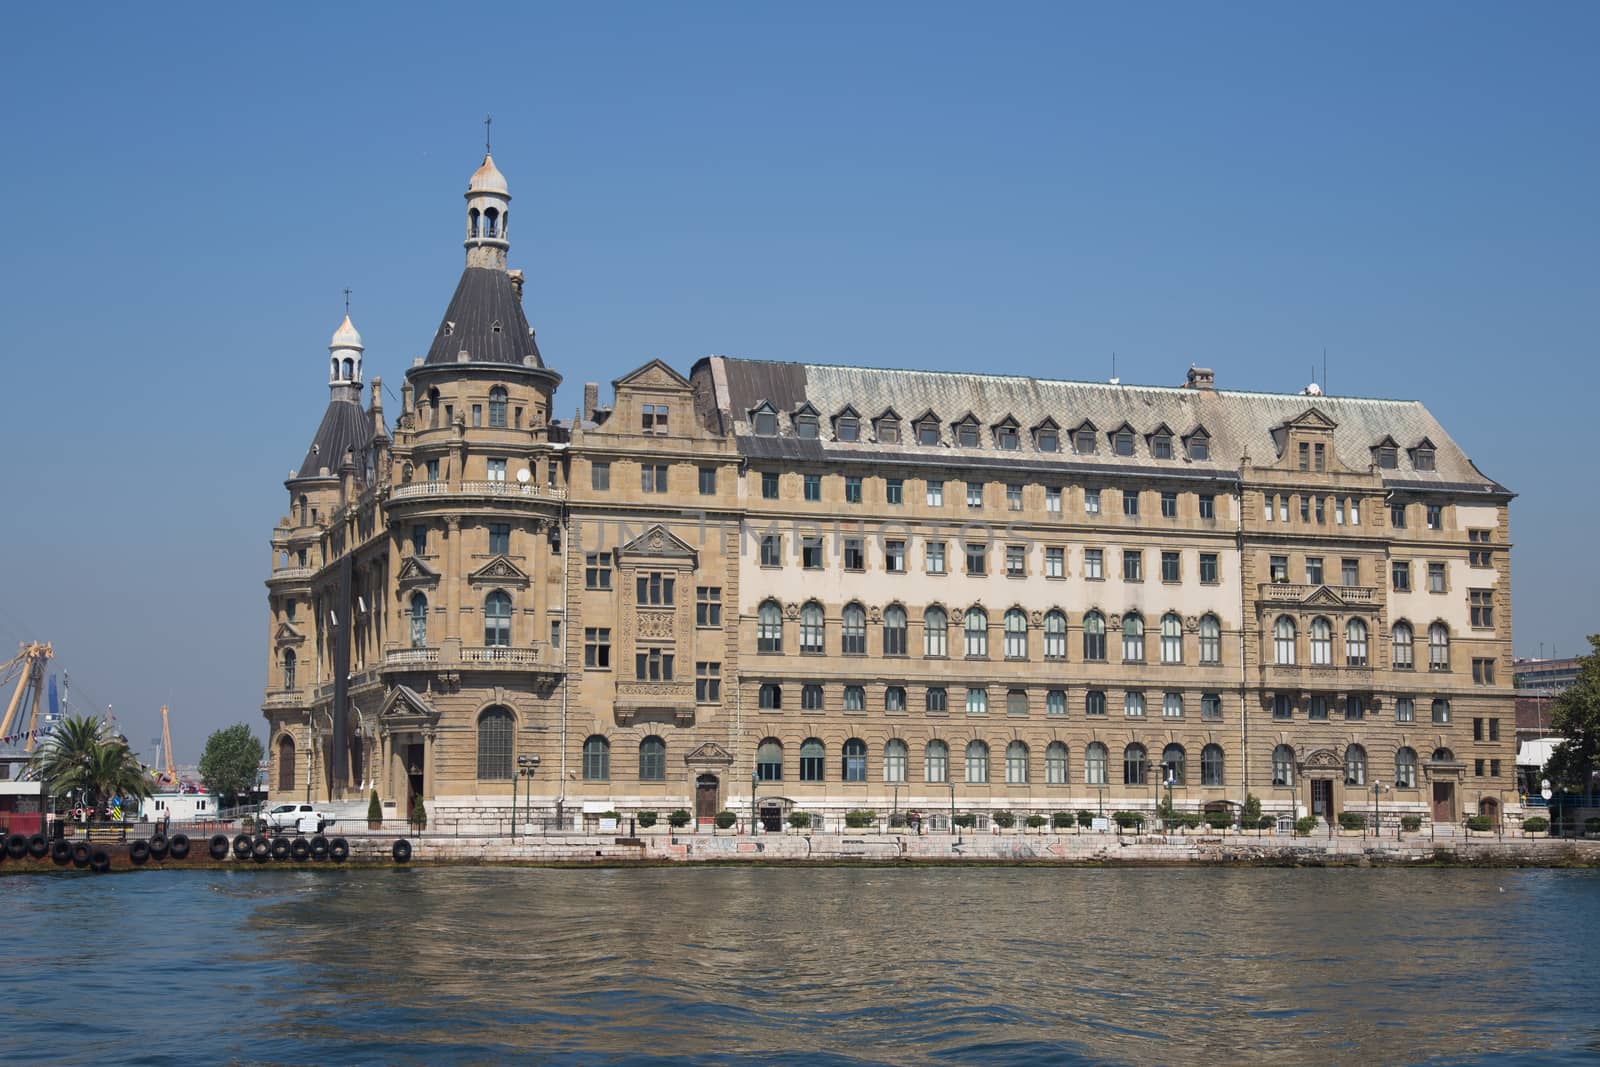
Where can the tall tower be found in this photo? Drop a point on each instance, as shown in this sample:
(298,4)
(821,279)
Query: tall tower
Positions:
(344,362)
(488,217)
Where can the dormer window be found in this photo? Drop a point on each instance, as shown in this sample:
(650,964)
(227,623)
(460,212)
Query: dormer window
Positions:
(494,327)
(1005,438)
(967,434)
(765,421)
(653,419)
(1199,447)
(1388,457)
(449,328)
(805,426)
(847,428)
(1048,439)
(1122,443)
(1161,446)
(927,432)
(889,431)
(1422,455)
(1083,441)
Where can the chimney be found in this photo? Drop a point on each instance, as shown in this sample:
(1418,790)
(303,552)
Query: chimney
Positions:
(1200,378)
(516,282)
(591,400)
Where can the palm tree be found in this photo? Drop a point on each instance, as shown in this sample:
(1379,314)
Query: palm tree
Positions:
(79,759)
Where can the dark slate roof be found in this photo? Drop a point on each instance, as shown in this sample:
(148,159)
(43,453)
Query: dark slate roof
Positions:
(345,428)
(483,299)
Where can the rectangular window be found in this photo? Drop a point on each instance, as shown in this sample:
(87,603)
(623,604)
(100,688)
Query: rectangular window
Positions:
(477,414)
(419,539)
(1483,671)
(1480,557)
(1482,607)
(1441,711)
(1435,519)
(1133,705)
(1494,768)
(597,570)
(707,683)
(977,557)
(1169,504)
(708,606)
(1016,561)
(654,665)
(812,487)
(847,428)
(497,470)
(1208,568)
(936,701)
(1169,566)
(1132,565)
(967,435)
(653,419)
(1282,706)
(1013,496)
(1305,508)
(811,553)
(1319,454)
(974,494)
(654,589)
(1283,507)
(597,648)
(499,538)
(1055,565)
(1211,705)
(1400,575)
(935,494)
(1321,510)
(1350,572)
(1313,570)
(653,477)
(1052,500)
(855,558)
(1094,703)
(1016,702)
(1494,731)
(933,556)
(1130,502)
(708,481)
(1208,506)
(1405,709)
(1397,516)
(769,485)
(1278,568)
(977,702)
(894,491)
(1305,455)
(600,476)
(1091,501)
(433,470)
(894,557)
(1353,708)
(1094,563)
(852,488)
(1435,577)
(1477,729)
(772,550)
(1317,709)
(1055,702)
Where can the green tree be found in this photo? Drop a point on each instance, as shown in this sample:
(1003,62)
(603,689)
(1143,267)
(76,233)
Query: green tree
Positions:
(228,765)
(81,761)
(1575,715)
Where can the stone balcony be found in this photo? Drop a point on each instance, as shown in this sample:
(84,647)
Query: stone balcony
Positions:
(1304,593)
(541,658)
(523,490)
(284,698)
(292,574)
(638,701)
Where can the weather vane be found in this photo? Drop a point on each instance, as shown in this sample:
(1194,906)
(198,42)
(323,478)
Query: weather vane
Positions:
(487,121)
(347,302)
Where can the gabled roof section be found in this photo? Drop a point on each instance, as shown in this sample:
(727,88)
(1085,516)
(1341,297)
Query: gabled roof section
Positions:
(1046,423)
(1007,420)
(414,571)
(405,702)
(807,408)
(658,542)
(655,372)
(848,411)
(1385,442)
(485,321)
(1424,443)
(1311,419)
(498,571)
(886,413)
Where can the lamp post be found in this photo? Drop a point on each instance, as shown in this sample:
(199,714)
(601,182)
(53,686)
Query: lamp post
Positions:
(1377,825)
(1171,773)
(526,765)
(753,815)
(951,782)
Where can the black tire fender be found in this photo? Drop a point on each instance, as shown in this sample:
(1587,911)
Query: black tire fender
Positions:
(319,848)
(242,846)
(280,848)
(218,846)
(401,851)
(338,850)
(261,850)
(16,846)
(138,851)
(38,847)
(80,854)
(300,849)
(61,852)
(158,846)
(99,861)
(178,847)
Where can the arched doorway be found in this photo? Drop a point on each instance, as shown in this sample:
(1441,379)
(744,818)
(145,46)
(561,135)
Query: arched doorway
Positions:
(1489,808)
(707,791)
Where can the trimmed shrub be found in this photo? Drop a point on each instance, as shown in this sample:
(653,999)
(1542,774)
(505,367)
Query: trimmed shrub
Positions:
(1085,818)
(1003,819)
(1479,822)
(799,819)
(1127,819)
(678,819)
(1192,820)
(1304,826)
(419,815)
(965,820)
(860,819)
(1252,812)
(1218,820)
(646,819)
(610,815)
(725,819)
(374,808)
(1537,824)
(1063,820)
(1412,823)
(1036,821)
(1352,820)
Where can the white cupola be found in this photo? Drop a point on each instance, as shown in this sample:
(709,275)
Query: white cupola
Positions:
(488,217)
(344,359)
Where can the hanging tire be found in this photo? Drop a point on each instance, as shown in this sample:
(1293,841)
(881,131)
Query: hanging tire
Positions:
(38,847)
(80,854)
(338,850)
(16,846)
(158,847)
(300,849)
(99,861)
(138,852)
(401,851)
(178,847)
(242,846)
(261,850)
(60,852)
(319,848)
(219,846)
(280,848)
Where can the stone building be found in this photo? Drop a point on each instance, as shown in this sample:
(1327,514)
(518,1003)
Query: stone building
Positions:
(837,588)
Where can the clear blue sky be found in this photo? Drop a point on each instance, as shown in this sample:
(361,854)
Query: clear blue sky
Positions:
(1021,188)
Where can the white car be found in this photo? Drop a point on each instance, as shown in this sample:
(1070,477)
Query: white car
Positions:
(302,818)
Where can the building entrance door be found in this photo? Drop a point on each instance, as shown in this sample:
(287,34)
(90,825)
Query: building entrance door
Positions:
(705,797)
(772,818)
(414,782)
(1444,802)
(1322,798)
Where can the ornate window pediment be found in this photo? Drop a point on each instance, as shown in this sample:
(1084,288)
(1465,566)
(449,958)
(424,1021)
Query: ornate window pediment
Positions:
(708,752)
(498,571)
(656,546)
(288,634)
(415,572)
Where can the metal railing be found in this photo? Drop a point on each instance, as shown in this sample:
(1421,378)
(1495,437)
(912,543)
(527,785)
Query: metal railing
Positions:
(528,490)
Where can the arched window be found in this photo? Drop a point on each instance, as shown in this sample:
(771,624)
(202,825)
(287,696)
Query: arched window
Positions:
(1404,656)
(1094,636)
(1211,765)
(497,407)
(349,370)
(854,630)
(496,737)
(977,762)
(935,632)
(1016,627)
(1132,638)
(305,509)
(1355,765)
(769,627)
(1443,755)
(894,761)
(1210,639)
(811,634)
(1095,758)
(1016,763)
(936,762)
(894,630)
(419,620)
(497,619)
(894,698)
(1174,764)
(855,760)
(652,759)
(1055,635)
(977,631)
(596,759)
(1135,762)
(1438,647)
(490,217)
(1283,641)
(1405,769)
(1283,765)
(1055,764)
(472,223)
(812,755)
(1321,642)
(1355,643)
(769,760)
(1171,638)
(286,781)
(288,669)
(770,697)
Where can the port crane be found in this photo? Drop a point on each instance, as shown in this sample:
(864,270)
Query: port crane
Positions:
(169,773)
(27,667)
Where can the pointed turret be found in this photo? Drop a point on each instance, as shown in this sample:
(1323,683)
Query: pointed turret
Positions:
(488,217)
(345,428)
